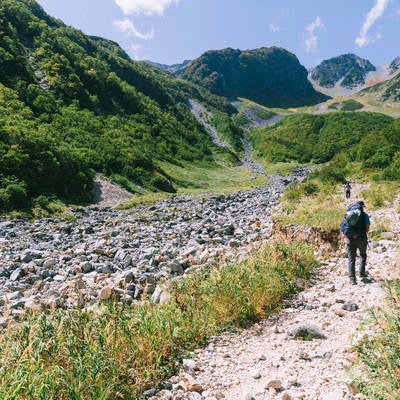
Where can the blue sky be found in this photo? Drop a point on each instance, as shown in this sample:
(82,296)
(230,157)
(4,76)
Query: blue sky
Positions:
(170,31)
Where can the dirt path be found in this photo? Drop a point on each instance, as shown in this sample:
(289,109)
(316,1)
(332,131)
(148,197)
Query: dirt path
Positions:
(266,362)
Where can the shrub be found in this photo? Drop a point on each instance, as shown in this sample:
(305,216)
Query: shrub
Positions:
(310,188)
(16,193)
(161,183)
(351,105)
(5,204)
(330,173)
(125,183)
(293,192)
(41,201)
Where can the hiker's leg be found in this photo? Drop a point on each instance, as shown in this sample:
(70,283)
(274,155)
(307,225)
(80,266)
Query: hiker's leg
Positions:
(351,257)
(362,246)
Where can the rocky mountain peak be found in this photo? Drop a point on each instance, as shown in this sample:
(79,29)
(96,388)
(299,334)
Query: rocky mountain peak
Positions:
(395,65)
(347,71)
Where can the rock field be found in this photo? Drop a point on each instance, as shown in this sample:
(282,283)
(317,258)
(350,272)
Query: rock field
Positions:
(102,252)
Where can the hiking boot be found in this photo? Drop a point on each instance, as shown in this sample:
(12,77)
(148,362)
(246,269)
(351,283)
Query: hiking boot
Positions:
(366,279)
(353,281)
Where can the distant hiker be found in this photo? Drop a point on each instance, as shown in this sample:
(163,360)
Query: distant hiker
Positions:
(355,226)
(347,189)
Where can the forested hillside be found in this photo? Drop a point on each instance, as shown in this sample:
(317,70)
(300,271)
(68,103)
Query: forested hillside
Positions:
(270,76)
(72,105)
(368,138)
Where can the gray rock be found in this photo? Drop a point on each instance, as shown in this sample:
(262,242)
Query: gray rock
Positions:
(306,332)
(150,392)
(189,366)
(26,257)
(388,235)
(4,321)
(350,306)
(17,274)
(175,267)
(255,374)
(50,262)
(12,296)
(86,267)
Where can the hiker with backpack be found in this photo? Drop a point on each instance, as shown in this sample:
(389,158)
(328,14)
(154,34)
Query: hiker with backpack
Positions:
(355,226)
(347,189)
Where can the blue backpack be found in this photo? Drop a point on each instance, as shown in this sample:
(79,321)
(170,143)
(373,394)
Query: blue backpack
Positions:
(353,224)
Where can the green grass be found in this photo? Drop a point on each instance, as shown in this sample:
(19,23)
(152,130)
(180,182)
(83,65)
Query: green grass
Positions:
(265,114)
(351,105)
(246,103)
(379,193)
(379,226)
(377,371)
(198,178)
(143,200)
(312,203)
(119,351)
(279,168)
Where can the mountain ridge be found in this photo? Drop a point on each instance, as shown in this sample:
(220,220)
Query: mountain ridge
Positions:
(348,73)
(270,76)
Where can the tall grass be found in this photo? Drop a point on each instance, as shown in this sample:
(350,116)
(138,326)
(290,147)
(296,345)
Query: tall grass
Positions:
(312,203)
(118,351)
(378,366)
(379,193)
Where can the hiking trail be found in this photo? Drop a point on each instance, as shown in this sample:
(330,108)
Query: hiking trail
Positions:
(265,362)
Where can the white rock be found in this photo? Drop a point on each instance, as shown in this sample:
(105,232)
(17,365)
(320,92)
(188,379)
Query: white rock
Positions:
(335,395)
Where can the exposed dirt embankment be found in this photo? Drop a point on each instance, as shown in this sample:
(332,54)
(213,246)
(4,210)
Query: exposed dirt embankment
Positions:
(326,242)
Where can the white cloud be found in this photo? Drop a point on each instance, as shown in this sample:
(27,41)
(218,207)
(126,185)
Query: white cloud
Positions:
(145,7)
(127,26)
(311,41)
(374,14)
(274,27)
(135,50)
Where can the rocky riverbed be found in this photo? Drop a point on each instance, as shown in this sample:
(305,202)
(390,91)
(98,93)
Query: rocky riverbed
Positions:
(101,252)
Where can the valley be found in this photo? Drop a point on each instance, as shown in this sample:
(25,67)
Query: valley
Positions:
(165,229)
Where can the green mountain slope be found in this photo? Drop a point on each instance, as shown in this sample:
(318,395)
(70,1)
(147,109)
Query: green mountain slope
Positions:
(370,138)
(269,76)
(72,105)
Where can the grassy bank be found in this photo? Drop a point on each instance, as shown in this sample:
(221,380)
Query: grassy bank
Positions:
(118,351)
(198,178)
(312,203)
(378,366)
(319,201)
